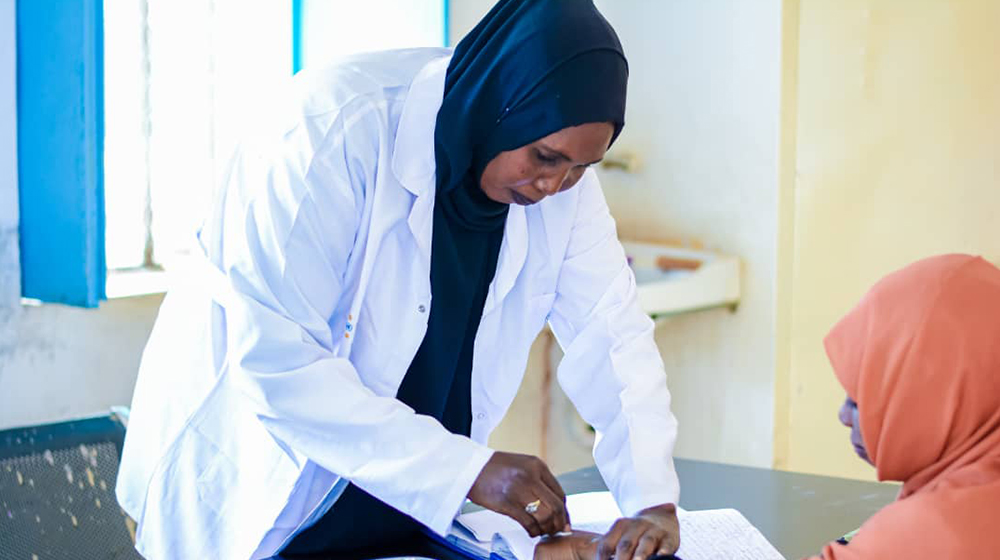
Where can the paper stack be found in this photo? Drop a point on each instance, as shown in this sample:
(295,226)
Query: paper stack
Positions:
(705,535)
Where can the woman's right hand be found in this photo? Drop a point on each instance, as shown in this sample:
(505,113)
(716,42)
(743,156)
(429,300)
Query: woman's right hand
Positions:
(511,481)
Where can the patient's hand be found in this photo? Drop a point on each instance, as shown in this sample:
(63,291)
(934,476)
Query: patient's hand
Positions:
(580,545)
(654,530)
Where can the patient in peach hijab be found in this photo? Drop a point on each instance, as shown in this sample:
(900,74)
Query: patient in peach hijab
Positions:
(919,358)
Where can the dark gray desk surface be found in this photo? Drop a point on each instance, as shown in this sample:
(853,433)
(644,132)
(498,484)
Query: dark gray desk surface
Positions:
(798,513)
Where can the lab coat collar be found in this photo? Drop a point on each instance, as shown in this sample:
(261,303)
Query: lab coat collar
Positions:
(413,161)
(413,164)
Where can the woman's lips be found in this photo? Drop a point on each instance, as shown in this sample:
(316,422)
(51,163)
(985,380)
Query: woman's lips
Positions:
(519,198)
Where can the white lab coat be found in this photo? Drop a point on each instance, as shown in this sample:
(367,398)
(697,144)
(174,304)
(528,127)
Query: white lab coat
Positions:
(270,375)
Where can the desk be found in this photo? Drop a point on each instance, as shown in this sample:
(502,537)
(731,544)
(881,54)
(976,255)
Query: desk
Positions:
(798,513)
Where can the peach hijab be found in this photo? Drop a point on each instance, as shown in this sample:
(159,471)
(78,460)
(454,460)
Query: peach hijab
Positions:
(920,355)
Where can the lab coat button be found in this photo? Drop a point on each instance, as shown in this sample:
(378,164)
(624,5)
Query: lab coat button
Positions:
(421,308)
(481,416)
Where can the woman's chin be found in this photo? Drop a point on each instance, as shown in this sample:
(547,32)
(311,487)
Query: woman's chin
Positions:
(520,199)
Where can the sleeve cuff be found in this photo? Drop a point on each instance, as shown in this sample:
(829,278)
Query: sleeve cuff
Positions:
(667,492)
(634,506)
(452,501)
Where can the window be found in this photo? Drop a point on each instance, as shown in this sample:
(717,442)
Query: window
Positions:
(184,79)
(129,110)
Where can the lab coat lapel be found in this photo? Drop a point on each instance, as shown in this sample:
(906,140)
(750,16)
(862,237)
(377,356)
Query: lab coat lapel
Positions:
(513,253)
(413,161)
(513,250)
(413,164)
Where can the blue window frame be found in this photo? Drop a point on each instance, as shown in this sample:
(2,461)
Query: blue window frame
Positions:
(60,121)
(296,36)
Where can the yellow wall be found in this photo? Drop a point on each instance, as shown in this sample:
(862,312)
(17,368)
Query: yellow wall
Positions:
(891,115)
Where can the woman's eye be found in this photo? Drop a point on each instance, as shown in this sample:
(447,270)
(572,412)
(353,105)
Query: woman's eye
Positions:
(545,158)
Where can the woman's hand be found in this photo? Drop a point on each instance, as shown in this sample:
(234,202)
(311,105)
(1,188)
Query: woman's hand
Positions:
(580,545)
(510,482)
(654,530)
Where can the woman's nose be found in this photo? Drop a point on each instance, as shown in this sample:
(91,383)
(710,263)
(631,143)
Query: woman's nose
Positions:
(552,184)
(549,186)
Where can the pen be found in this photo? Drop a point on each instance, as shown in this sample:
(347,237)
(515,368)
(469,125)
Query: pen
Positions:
(847,538)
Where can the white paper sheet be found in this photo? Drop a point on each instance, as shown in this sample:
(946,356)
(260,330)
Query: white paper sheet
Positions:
(722,534)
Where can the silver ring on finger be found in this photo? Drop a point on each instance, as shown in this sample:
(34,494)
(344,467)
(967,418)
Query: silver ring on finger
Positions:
(532,507)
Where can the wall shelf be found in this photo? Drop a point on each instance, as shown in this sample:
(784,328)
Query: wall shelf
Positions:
(667,288)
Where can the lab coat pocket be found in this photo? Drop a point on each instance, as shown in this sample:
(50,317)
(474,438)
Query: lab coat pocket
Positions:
(372,352)
(186,499)
(214,482)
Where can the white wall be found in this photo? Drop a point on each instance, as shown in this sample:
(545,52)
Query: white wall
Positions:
(702,116)
(10,274)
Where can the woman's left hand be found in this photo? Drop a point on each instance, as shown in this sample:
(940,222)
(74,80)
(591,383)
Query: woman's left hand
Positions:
(654,530)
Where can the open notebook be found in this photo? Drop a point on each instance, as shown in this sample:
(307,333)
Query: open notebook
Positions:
(705,535)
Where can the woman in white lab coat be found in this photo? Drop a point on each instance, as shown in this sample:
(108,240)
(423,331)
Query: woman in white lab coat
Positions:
(374,271)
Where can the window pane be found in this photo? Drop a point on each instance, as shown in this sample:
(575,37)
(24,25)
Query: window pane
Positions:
(213,66)
(213,71)
(332,28)
(125,135)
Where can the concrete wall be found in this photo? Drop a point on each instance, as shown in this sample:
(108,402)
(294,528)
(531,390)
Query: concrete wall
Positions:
(10,272)
(895,142)
(703,115)
(61,362)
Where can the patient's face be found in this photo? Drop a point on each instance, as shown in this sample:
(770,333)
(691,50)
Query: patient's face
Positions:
(849,417)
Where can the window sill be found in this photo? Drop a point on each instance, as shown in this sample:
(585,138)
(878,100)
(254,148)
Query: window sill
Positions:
(135,282)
